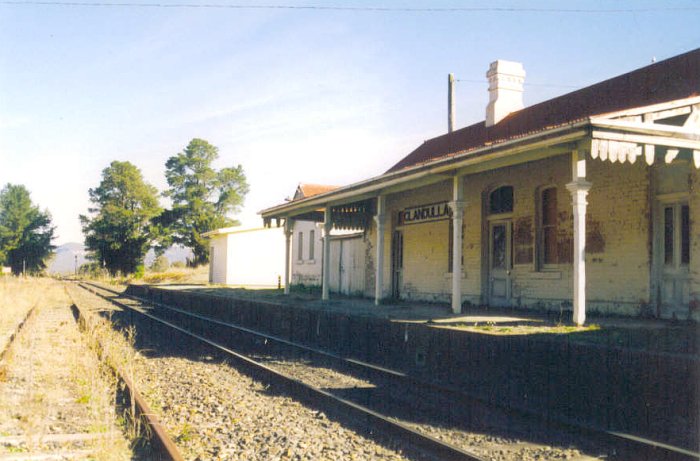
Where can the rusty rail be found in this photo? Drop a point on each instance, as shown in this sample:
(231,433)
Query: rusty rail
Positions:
(315,396)
(13,335)
(653,448)
(163,448)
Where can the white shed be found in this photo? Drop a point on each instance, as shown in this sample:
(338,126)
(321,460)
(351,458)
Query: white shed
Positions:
(246,256)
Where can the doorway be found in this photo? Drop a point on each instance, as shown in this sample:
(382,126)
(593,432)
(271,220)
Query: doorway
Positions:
(672,258)
(500,262)
(498,241)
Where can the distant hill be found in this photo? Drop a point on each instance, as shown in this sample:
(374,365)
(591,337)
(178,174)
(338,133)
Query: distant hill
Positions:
(64,261)
(65,257)
(174,253)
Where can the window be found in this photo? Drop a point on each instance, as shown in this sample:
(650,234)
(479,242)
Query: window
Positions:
(300,251)
(312,235)
(501,200)
(676,227)
(548,226)
(668,235)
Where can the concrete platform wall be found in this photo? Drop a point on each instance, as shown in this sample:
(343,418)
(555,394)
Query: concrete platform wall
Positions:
(653,395)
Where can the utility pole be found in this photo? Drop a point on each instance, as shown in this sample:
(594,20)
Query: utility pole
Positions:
(76,264)
(450,103)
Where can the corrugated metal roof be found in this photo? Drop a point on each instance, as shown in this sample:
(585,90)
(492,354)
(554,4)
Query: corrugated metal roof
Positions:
(668,80)
(309,190)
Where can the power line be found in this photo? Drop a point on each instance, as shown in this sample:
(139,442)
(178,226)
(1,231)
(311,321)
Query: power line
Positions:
(380,9)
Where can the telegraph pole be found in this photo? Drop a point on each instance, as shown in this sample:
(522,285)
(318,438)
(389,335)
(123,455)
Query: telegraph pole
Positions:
(450,102)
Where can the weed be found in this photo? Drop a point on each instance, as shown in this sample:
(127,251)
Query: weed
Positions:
(185,433)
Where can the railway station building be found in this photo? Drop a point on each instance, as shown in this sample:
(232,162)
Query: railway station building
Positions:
(588,202)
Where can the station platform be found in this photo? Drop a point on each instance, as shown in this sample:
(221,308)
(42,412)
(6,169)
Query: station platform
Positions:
(479,319)
(639,376)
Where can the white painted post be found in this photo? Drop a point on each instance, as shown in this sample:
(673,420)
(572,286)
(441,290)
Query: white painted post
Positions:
(457,206)
(579,188)
(288,231)
(380,219)
(327,225)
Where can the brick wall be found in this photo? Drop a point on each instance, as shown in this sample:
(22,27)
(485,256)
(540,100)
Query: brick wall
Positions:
(305,270)
(694,204)
(425,255)
(619,208)
(618,249)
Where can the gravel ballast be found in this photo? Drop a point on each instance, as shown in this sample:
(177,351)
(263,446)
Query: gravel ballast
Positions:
(213,412)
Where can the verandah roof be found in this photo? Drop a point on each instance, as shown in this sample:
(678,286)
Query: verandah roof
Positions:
(573,117)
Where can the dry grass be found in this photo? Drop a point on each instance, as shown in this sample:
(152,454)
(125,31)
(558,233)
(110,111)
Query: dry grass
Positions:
(17,296)
(519,330)
(51,377)
(186,275)
(117,352)
(177,275)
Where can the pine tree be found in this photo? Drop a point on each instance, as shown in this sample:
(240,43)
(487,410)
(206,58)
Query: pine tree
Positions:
(119,229)
(25,232)
(203,198)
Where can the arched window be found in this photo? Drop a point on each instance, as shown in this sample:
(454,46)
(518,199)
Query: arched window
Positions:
(501,200)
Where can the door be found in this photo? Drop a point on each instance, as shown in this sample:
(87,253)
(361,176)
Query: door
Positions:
(397,264)
(500,263)
(672,260)
(346,267)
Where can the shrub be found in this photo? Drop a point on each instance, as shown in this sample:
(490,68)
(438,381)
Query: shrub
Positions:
(161,264)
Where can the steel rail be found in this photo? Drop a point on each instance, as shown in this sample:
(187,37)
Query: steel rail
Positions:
(15,333)
(611,436)
(313,395)
(161,443)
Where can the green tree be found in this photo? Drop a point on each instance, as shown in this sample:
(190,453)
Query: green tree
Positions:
(203,198)
(118,230)
(25,231)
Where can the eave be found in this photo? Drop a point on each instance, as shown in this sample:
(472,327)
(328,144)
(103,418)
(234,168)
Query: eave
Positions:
(431,172)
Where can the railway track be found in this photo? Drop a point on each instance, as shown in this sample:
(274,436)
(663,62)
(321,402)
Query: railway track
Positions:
(370,392)
(161,446)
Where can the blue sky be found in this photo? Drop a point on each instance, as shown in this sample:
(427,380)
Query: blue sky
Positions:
(294,95)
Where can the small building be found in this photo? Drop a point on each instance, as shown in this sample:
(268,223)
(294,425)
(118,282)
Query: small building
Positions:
(586,202)
(251,256)
(246,257)
(307,238)
(347,274)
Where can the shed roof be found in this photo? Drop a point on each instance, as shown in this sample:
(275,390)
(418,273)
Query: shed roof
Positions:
(668,80)
(309,190)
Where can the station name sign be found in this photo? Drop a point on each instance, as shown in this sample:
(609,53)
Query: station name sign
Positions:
(425,213)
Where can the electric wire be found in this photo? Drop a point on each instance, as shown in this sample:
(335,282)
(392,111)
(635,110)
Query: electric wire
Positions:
(381,9)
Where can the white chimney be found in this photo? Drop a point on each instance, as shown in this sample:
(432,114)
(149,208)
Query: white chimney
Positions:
(505,90)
